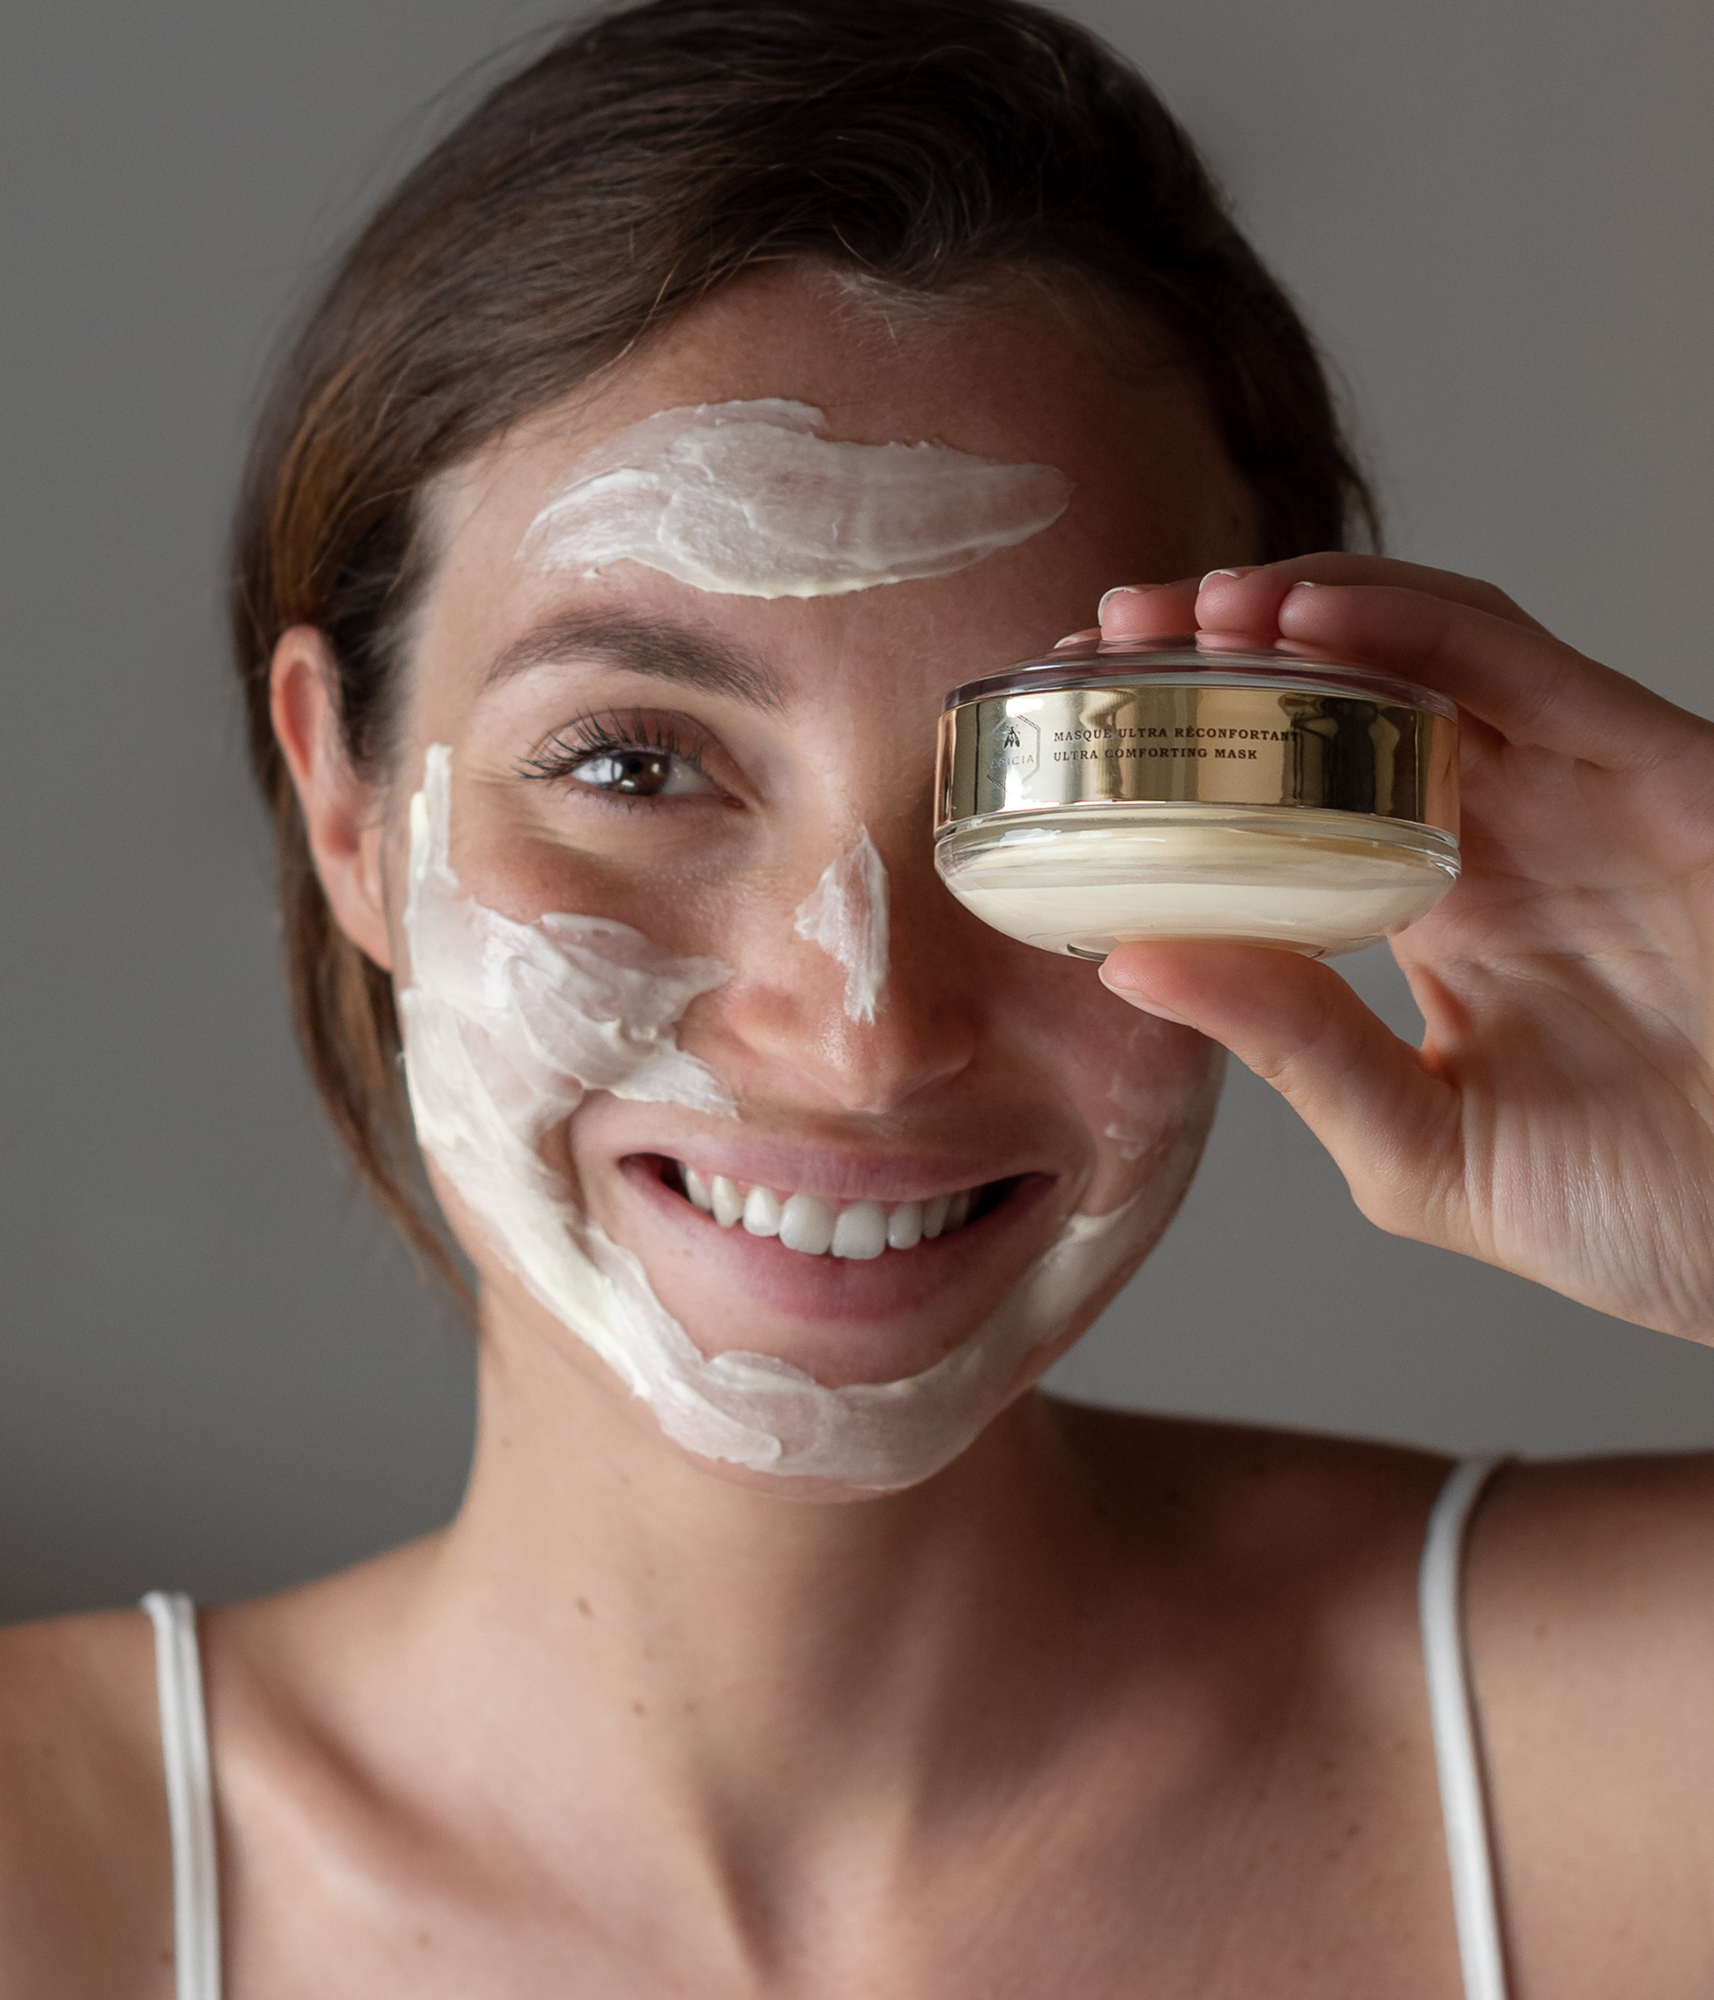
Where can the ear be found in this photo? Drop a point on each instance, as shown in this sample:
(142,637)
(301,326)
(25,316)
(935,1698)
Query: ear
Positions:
(340,808)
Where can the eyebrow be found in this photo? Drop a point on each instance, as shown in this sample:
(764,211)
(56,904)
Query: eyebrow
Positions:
(642,646)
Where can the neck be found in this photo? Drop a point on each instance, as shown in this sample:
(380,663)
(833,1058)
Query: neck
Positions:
(718,1633)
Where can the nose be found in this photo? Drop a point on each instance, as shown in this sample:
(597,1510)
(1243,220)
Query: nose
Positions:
(865,1022)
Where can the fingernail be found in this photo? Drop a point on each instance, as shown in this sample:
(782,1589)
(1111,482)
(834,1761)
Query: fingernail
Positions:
(1118,590)
(1070,639)
(1135,997)
(1244,570)
(1305,584)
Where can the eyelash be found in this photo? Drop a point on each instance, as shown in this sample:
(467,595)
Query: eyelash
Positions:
(587,737)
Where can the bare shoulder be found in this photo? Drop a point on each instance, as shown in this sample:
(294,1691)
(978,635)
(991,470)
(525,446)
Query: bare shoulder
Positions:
(1611,1538)
(1590,1588)
(85,1867)
(1591,1608)
(1590,1591)
(1589,1617)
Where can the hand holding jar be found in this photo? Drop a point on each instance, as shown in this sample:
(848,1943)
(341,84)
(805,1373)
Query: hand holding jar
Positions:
(1558,1118)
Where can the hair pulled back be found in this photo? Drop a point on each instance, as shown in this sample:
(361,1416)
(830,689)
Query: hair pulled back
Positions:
(638,163)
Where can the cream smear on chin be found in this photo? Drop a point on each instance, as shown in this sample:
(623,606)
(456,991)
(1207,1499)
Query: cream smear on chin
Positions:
(749,499)
(508,1025)
(846,914)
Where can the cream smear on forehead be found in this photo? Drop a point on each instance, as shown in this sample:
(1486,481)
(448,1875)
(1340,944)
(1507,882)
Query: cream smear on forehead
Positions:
(846,914)
(508,1025)
(750,500)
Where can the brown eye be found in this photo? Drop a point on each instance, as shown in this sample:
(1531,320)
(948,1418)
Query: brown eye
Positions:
(639,774)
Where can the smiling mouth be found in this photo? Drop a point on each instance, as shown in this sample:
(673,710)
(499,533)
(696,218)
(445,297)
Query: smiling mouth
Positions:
(815,1227)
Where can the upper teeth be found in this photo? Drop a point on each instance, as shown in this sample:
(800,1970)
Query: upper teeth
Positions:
(806,1222)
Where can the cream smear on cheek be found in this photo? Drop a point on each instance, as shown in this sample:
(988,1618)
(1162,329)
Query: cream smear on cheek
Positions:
(748,499)
(1143,1098)
(508,1025)
(846,914)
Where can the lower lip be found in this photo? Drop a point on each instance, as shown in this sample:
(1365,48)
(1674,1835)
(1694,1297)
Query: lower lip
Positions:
(829,1288)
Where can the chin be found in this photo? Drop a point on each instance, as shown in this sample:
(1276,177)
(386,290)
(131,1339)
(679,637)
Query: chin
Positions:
(770,1423)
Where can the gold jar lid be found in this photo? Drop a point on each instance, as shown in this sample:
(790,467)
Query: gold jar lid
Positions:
(1183,721)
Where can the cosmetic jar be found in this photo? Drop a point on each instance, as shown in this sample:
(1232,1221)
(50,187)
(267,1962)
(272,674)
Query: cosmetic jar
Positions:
(1185,788)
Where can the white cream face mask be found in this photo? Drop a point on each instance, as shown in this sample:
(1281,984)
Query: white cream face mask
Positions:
(846,914)
(749,500)
(508,1025)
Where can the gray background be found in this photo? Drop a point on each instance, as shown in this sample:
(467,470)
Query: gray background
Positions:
(218,1372)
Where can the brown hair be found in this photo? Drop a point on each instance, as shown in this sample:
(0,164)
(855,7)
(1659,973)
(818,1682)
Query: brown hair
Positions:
(638,163)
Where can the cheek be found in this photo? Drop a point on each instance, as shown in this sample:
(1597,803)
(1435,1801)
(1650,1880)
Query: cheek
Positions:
(1143,1090)
(682,906)
(1162,1084)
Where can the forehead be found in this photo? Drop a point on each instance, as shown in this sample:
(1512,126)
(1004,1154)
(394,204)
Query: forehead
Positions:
(1014,375)
(1011,372)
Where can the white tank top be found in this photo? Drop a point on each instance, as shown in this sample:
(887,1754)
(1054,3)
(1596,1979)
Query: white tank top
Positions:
(190,1797)
(1463,1796)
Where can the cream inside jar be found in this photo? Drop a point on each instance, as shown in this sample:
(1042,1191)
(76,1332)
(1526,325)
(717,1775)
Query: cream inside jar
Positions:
(1189,789)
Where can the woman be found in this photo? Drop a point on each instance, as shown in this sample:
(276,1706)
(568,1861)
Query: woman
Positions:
(786,1640)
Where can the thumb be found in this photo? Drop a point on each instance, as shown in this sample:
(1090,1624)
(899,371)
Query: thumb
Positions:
(1390,1123)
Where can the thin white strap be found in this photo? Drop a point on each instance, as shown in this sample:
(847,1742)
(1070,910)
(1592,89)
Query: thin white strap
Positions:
(190,1796)
(1463,1804)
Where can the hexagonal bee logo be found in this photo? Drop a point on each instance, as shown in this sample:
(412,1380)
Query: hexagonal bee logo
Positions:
(1014,750)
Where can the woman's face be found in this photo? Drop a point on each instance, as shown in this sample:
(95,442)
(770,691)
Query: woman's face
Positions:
(689,762)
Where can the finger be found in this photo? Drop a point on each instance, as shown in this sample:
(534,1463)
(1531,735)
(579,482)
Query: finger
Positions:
(1462,637)
(1451,632)
(1149,610)
(1529,686)
(1391,1126)
(1249,600)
